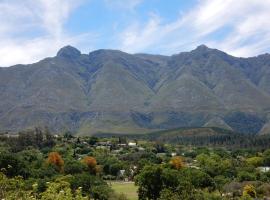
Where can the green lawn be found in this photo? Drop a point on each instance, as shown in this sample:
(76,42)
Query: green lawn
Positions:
(127,188)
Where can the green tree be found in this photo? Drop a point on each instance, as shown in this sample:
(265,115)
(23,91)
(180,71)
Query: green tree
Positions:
(246,176)
(11,165)
(198,178)
(73,167)
(154,178)
(220,181)
(13,189)
(255,161)
(60,190)
(266,157)
(89,184)
(149,182)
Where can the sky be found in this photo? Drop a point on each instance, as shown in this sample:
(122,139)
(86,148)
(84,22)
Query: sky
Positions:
(31,30)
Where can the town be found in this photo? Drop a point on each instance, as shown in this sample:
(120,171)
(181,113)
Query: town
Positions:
(43,164)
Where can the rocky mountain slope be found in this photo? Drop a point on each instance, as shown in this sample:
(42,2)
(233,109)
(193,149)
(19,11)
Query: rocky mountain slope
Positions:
(111,91)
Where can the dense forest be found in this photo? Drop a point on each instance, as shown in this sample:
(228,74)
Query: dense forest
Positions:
(203,136)
(38,165)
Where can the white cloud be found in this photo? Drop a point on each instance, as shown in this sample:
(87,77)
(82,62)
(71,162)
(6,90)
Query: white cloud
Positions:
(245,25)
(33,29)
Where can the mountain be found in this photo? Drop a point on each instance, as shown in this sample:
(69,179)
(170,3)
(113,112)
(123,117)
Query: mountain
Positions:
(109,91)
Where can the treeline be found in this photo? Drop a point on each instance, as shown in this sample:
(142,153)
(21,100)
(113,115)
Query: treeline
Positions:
(229,141)
(38,138)
(217,137)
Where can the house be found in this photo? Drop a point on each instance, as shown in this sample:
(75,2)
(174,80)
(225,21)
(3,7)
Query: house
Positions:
(105,144)
(141,149)
(264,169)
(132,144)
(121,173)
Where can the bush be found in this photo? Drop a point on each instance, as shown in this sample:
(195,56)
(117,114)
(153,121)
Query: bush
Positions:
(246,176)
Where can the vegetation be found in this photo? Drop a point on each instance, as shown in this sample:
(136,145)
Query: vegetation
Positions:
(56,167)
(125,188)
(203,136)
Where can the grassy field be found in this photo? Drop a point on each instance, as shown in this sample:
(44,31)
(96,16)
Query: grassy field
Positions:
(127,188)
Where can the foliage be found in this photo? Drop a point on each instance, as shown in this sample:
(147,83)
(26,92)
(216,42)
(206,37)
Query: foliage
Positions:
(249,190)
(246,176)
(55,159)
(11,165)
(39,171)
(60,190)
(91,163)
(177,162)
(13,188)
(266,157)
(255,161)
(73,167)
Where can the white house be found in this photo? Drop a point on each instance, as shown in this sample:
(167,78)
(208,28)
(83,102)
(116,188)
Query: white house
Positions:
(264,169)
(132,144)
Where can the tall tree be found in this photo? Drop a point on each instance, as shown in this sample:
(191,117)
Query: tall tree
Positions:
(55,159)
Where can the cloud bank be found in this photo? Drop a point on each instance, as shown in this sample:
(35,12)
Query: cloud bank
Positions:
(34,29)
(241,28)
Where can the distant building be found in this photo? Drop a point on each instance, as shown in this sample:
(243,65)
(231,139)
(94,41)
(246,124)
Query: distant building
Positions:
(141,149)
(264,169)
(173,154)
(108,143)
(121,173)
(132,144)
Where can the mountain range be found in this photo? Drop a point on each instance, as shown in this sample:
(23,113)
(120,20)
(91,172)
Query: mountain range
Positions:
(110,91)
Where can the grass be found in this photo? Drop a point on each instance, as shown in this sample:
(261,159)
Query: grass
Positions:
(127,188)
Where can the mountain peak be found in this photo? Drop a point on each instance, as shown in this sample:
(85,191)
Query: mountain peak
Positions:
(68,52)
(204,50)
(202,47)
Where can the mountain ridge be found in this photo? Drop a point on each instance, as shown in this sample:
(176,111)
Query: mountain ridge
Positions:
(110,90)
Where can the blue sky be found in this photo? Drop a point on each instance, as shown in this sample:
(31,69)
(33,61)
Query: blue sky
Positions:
(34,29)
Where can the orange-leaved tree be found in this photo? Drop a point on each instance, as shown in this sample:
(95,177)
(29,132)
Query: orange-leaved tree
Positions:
(91,163)
(55,159)
(177,162)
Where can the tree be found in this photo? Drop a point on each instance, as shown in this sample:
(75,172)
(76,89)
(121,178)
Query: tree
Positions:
(255,161)
(60,190)
(177,162)
(149,182)
(249,191)
(92,140)
(112,166)
(73,167)
(184,190)
(90,185)
(55,159)
(220,181)
(91,163)
(214,165)
(167,194)
(11,165)
(198,178)
(266,157)
(246,176)
(153,179)
(101,192)
(13,188)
